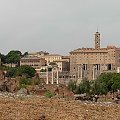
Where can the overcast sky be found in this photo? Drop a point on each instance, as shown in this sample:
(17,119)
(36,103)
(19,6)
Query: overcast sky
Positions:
(57,26)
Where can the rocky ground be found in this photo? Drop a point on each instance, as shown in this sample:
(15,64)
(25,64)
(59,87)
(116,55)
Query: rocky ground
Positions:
(22,107)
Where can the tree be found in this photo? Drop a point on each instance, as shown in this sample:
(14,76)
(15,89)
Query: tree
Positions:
(11,72)
(27,71)
(2,58)
(72,86)
(84,87)
(24,82)
(106,82)
(25,54)
(115,82)
(99,88)
(13,57)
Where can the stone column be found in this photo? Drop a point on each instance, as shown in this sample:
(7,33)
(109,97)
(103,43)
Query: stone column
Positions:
(81,72)
(93,72)
(85,66)
(52,75)
(57,76)
(47,76)
(78,71)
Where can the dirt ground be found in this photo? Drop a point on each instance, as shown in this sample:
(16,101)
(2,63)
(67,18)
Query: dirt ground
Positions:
(37,108)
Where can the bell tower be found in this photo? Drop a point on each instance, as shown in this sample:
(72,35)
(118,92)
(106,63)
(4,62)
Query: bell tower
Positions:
(97,40)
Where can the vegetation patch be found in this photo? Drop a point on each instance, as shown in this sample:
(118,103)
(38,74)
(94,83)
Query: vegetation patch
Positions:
(49,94)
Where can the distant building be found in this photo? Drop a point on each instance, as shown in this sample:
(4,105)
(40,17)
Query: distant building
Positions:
(35,62)
(38,54)
(50,67)
(52,57)
(10,65)
(62,65)
(91,62)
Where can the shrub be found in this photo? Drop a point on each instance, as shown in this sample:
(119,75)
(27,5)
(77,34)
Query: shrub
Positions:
(24,82)
(36,81)
(49,94)
(72,86)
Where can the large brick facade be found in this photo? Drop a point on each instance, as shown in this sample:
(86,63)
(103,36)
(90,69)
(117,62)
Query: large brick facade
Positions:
(91,62)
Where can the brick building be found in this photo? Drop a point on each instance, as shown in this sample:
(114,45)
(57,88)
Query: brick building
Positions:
(35,62)
(91,62)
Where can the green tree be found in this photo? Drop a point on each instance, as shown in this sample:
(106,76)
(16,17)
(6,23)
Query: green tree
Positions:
(13,57)
(115,82)
(72,86)
(3,57)
(84,87)
(25,54)
(106,82)
(11,72)
(26,70)
(24,82)
(99,88)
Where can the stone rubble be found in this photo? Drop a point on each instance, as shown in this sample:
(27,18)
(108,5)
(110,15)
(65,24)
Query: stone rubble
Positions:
(19,106)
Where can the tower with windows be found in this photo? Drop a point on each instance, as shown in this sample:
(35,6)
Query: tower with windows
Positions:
(97,40)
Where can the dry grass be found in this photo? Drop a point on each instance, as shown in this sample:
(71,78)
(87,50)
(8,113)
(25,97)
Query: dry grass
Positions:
(36,108)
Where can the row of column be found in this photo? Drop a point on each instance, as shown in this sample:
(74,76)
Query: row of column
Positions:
(81,69)
(53,71)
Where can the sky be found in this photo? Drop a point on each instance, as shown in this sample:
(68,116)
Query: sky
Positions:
(57,26)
